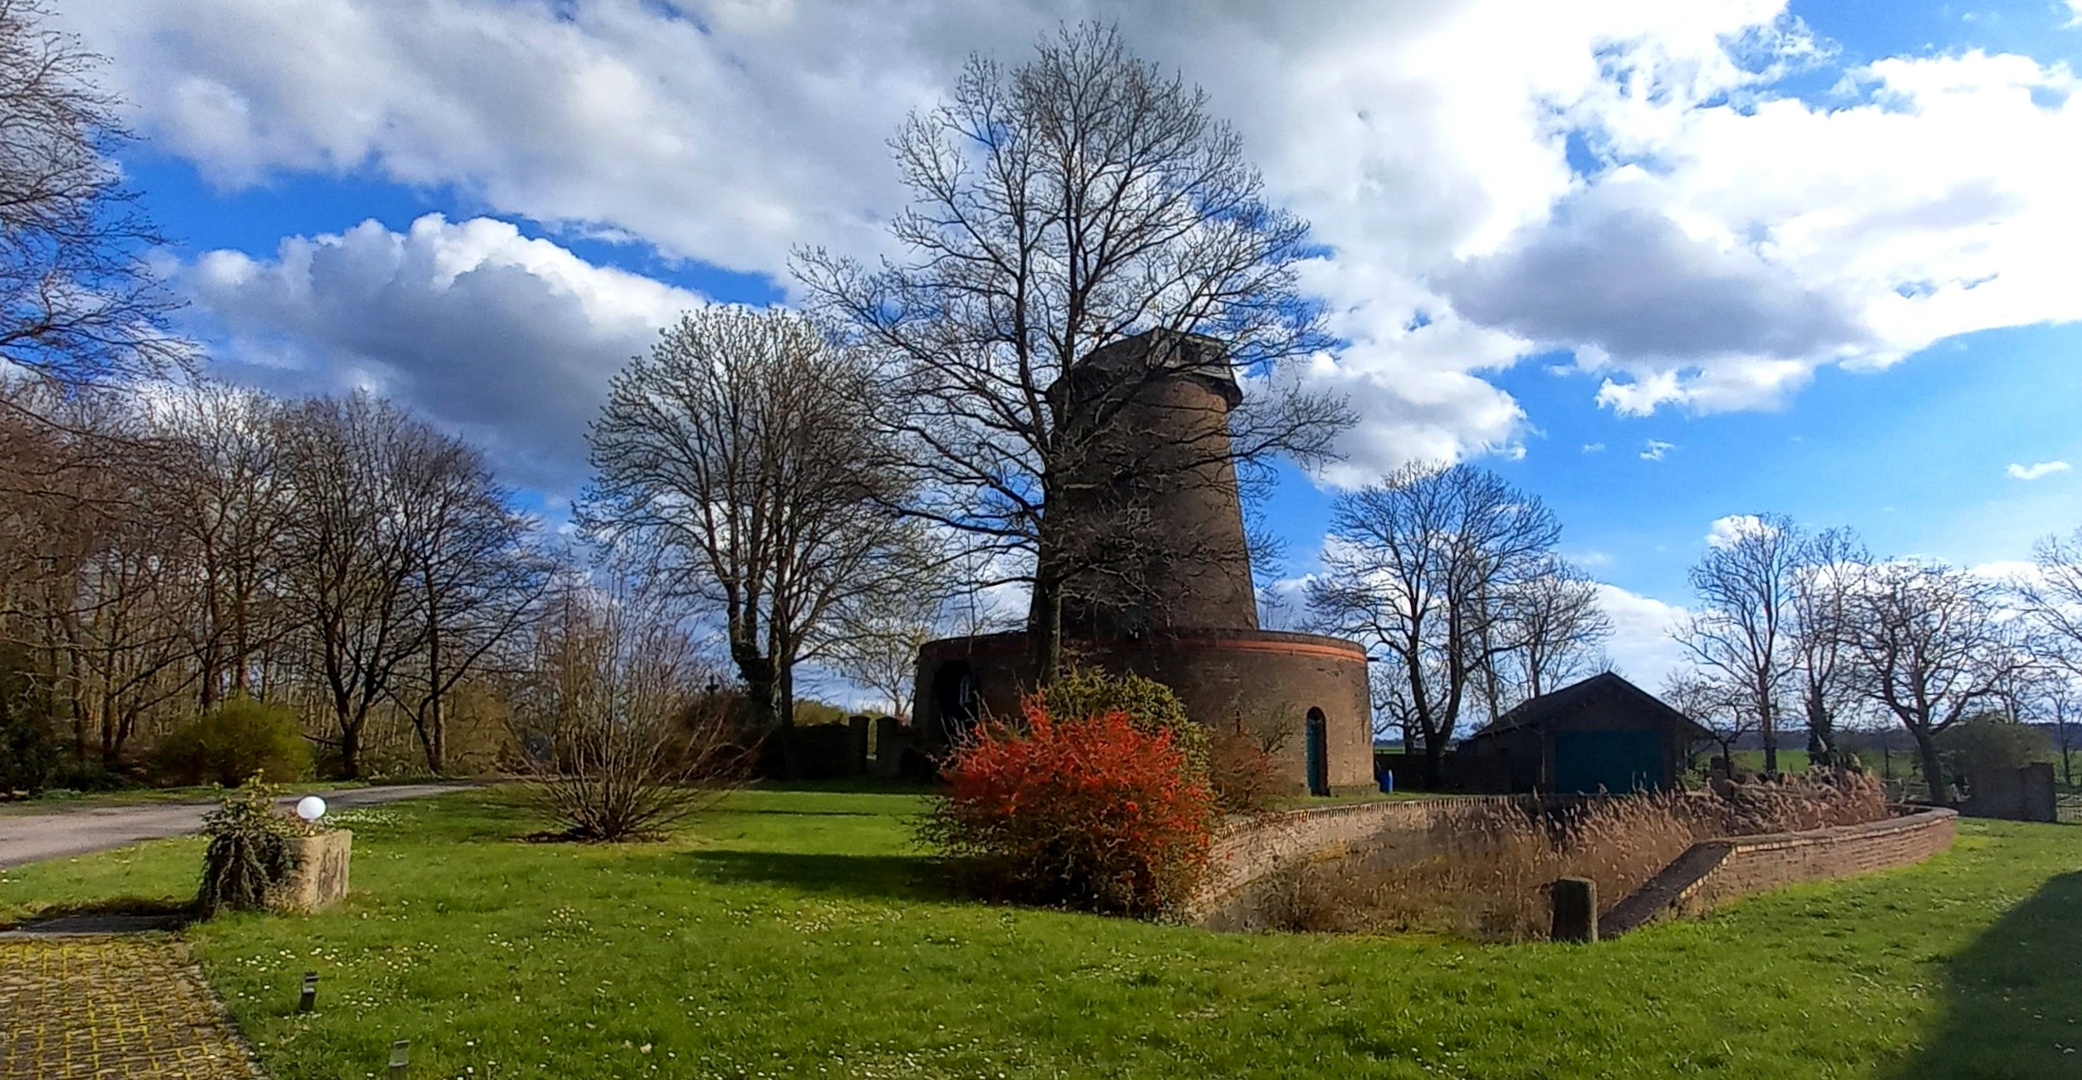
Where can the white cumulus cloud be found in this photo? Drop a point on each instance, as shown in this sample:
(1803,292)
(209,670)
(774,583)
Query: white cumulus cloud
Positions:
(1725,241)
(1725,531)
(1643,646)
(2039,469)
(509,339)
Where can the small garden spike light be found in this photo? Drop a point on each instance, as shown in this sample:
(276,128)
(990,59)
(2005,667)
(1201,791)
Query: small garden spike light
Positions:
(400,1057)
(310,808)
(309,999)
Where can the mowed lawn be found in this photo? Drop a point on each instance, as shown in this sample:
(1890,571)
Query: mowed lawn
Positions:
(798,934)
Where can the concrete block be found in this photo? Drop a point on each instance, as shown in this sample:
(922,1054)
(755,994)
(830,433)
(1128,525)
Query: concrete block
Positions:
(320,878)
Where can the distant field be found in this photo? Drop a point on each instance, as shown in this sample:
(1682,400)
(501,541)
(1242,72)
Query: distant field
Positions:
(799,934)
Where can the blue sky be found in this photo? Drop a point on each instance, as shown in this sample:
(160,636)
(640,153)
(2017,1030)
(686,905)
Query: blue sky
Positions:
(1814,253)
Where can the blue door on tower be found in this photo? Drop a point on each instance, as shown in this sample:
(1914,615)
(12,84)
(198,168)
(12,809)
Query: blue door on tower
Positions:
(1318,753)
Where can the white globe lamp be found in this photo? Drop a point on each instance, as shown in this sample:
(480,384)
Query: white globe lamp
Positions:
(310,808)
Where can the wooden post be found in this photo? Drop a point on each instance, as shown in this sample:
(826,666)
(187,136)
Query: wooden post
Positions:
(1575,910)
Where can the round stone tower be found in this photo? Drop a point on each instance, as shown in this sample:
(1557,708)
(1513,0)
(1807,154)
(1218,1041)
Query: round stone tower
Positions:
(1149,518)
(1148,522)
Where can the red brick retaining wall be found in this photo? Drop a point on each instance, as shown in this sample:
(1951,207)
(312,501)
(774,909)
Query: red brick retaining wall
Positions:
(1717,871)
(1247,850)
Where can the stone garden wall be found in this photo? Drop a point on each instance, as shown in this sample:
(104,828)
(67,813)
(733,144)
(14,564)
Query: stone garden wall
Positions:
(1717,871)
(1246,851)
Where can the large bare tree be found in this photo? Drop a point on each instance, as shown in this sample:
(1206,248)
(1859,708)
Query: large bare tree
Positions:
(1060,207)
(230,507)
(389,550)
(2052,597)
(475,576)
(1742,627)
(78,301)
(1826,566)
(1418,566)
(1931,645)
(739,463)
(1549,627)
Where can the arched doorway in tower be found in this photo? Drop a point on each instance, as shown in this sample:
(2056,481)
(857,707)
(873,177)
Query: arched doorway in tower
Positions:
(1317,734)
(954,701)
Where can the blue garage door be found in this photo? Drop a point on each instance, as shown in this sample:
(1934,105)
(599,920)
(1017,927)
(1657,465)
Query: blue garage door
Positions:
(1619,761)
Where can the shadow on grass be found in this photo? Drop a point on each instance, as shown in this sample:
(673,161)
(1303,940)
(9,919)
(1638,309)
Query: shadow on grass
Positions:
(852,785)
(880,877)
(122,907)
(2014,996)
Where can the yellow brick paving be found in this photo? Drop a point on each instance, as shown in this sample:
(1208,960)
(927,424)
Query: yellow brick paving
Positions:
(104,1008)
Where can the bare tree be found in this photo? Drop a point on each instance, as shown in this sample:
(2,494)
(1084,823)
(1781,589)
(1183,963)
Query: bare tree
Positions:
(369,483)
(1930,644)
(2052,597)
(78,301)
(1550,627)
(1826,565)
(739,463)
(1742,626)
(1062,207)
(476,575)
(1719,706)
(230,507)
(610,725)
(878,648)
(1417,566)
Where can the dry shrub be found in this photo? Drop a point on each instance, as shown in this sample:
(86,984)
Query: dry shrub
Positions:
(617,746)
(1486,865)
(1243,767)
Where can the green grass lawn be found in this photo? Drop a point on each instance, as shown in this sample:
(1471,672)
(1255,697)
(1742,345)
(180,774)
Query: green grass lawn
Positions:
(797,934)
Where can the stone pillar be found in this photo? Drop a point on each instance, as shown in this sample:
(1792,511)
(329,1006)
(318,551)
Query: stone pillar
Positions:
(889,747)
(857,745)
(2035,788)
(320,878)
(1575,910)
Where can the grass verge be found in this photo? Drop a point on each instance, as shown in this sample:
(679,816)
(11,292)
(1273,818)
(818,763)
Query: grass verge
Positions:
(797,934)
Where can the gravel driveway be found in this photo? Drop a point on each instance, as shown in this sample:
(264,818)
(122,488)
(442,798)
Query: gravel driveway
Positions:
(75,832)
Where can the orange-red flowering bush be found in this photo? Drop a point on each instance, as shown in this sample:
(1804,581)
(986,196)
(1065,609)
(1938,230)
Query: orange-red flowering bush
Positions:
(1084,812)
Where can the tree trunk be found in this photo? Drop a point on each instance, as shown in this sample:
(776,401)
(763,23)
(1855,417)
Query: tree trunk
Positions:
(1821,735)
(350,751)
(1045,629)
(762,704)
(1767,723)
(1933,768)
(1434,760)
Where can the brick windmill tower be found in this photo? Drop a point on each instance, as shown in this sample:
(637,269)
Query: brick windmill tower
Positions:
(1149,532)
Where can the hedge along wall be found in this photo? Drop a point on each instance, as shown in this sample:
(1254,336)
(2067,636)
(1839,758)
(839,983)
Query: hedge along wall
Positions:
(1717,871)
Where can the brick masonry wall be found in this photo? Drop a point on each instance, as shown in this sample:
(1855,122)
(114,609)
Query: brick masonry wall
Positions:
(1717,871)
(1247,850)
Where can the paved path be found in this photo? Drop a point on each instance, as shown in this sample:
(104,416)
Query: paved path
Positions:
(76,832)
(101,1007)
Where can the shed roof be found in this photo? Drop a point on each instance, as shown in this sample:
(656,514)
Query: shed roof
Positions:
(1549,707)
